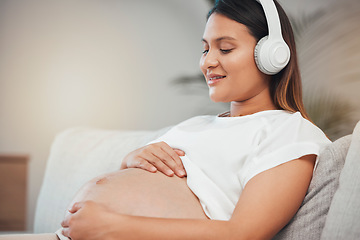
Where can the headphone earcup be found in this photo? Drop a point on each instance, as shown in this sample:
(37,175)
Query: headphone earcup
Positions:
(271,56)
(258,53)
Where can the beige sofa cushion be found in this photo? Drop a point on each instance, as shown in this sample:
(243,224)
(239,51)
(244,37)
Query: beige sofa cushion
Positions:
(76,156)
(309,221)
(343,220)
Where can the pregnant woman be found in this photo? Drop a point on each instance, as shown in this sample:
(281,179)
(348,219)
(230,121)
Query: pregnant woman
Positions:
(239,175)
(247,170)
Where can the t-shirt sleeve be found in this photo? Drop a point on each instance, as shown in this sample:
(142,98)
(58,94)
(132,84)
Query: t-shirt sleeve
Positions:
(290,139)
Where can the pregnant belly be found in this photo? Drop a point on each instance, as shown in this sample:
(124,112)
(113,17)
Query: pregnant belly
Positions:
(141,193)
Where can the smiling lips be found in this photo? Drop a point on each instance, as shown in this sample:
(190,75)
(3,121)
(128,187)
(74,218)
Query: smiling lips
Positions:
(213,79)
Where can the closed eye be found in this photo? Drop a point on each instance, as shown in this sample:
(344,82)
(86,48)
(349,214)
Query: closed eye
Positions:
(225,51)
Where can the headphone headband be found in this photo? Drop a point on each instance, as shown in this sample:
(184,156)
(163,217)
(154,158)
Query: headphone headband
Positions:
(272,18)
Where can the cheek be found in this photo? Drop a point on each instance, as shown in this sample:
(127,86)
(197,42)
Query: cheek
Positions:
(201,65)
(241,65)
(238,65)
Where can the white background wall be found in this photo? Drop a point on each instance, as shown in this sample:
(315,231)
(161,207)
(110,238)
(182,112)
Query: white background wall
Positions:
(105,64)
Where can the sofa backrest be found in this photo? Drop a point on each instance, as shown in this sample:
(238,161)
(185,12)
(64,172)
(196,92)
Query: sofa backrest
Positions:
(343,220)
(309,221)
(76,156)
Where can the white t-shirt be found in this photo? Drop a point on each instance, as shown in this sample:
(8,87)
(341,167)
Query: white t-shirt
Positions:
(223,153)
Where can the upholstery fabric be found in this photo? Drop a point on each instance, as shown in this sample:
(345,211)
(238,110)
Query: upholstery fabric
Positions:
(76,156)
(80,154)
(44,236)
(309,221)
(343,220)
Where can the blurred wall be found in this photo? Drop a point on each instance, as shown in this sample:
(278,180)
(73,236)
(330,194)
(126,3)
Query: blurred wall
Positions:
(328,45)
(104,64)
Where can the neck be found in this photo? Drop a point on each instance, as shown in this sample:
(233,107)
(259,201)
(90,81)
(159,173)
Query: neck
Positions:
(251,106)
(237,109)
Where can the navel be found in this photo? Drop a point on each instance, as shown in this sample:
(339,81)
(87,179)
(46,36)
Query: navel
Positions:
(102,180)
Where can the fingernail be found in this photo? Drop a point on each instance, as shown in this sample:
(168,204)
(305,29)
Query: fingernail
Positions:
(169,172)
(181,172)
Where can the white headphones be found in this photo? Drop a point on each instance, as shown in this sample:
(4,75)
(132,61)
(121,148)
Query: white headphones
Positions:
(272,54)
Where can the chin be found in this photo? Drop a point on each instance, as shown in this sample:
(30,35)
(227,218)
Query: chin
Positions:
(218,99)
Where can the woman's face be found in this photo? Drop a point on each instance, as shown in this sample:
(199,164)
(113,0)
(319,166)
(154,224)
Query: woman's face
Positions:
(228,62)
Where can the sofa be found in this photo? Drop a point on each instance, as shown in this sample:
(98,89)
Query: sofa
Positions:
(330,210)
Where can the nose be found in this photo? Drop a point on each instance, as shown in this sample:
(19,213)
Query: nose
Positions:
(209,60)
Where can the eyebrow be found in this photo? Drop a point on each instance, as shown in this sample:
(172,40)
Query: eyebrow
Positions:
(220,39)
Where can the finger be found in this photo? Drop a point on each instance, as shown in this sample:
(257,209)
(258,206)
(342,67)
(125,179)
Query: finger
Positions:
(76,206)
(156,156)
(160,159)
(143,164)
(177,166)
(65,223)
(166,159)
(160,165)
(167,155)
(65,232)
(179,152)
(140,162)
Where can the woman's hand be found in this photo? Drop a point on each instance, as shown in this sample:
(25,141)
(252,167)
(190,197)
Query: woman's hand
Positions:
(89,220)
(157,156)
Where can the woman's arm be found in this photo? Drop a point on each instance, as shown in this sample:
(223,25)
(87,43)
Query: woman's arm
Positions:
(267,203)
(271,199)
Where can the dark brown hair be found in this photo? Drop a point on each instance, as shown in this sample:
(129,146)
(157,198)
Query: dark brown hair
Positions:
(285,86)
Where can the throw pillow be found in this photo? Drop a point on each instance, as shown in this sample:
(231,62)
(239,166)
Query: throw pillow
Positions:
(343,220)
(309,221)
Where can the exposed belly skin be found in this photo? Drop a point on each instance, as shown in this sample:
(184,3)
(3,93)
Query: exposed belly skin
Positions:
(141,193)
